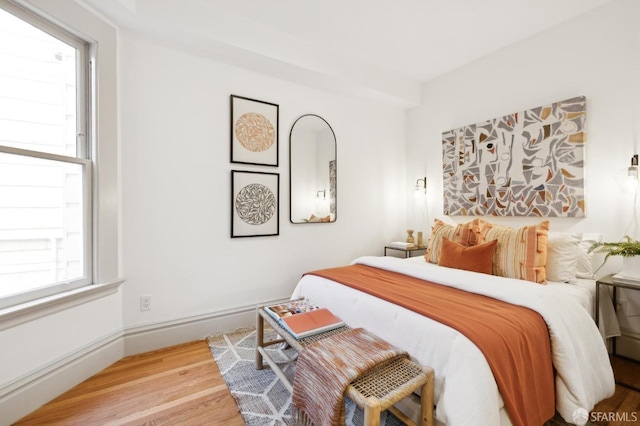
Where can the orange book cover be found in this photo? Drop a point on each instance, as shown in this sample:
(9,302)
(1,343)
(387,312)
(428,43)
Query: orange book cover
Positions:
(312,322)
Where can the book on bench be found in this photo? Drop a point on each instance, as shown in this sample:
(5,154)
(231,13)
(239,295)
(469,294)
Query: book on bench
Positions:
(301,318)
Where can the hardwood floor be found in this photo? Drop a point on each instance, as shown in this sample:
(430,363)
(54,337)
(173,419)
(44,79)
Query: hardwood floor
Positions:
(180,385)
(623,408)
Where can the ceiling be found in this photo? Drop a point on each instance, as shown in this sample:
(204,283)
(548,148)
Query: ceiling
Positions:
(379,49)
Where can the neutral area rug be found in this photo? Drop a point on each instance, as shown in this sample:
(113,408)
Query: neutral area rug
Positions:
(261,397)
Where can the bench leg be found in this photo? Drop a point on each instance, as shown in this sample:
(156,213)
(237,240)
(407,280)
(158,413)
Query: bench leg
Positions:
(426,400)
(259,339)
(372,412)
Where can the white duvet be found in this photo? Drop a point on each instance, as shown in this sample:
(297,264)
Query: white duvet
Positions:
(465,390)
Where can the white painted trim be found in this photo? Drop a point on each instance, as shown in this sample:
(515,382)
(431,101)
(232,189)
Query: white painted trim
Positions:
(28,392)
(55,365)
(158,335)
(626,331)
(628,346)
(29,311)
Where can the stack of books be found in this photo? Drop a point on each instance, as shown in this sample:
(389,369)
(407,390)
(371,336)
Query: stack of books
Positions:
(401,245)
(302,318)
(623,279)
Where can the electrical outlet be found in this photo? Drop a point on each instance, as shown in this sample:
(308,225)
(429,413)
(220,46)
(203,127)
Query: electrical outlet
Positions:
(145,302)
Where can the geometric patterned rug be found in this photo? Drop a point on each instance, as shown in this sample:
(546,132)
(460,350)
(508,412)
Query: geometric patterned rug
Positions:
(259,394)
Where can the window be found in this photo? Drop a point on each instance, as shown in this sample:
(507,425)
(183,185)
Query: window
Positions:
(45,167)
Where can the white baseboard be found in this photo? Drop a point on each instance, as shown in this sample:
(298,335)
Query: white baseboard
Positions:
(161,335)
(31,391)
(628,346)
(26,394)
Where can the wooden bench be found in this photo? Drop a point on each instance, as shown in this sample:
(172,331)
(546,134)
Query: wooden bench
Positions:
(375,391)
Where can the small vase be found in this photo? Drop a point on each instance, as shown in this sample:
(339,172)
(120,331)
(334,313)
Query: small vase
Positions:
(631,266)
(410,239)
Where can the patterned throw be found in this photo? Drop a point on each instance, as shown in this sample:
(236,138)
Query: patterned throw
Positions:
(325,369)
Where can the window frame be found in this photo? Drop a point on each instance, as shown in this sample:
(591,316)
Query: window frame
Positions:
(84,154)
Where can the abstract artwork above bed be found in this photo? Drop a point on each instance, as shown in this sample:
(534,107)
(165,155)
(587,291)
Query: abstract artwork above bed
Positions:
(528,163)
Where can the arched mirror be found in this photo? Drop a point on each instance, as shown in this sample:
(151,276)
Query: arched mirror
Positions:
(312,171)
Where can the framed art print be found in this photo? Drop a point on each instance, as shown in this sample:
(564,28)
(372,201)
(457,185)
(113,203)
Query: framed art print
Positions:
(527,163)
(255,204)
(254,131)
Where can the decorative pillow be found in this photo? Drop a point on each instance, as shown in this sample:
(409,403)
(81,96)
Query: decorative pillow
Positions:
(562,256)
(478,258)
(466,234)
(585,266)
(521,253)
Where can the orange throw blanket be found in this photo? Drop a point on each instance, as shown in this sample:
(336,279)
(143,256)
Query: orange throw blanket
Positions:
(513,339)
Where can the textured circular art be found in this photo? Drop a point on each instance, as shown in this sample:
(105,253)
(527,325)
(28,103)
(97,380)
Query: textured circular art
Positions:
(255,132)
(255,204)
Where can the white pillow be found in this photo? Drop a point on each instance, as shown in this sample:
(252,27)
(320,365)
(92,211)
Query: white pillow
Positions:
(586,262)
(562,256)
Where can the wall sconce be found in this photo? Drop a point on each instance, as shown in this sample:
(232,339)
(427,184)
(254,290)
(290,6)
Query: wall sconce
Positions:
(627,179)
(421,212)
(421,187)
(631,185)
(632,171)
(321,202)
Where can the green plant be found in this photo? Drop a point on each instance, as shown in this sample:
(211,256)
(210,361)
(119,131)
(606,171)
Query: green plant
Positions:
(627,248)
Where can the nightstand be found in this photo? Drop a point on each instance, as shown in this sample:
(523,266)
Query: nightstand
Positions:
(608,280)
(406,252)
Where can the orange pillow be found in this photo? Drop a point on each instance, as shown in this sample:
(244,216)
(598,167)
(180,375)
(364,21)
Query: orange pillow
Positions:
(477,258)
(467,234)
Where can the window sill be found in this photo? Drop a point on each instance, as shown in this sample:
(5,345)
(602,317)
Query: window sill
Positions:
(25,312)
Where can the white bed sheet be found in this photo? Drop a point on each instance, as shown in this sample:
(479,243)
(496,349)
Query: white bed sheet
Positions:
(584,292)
(465,390)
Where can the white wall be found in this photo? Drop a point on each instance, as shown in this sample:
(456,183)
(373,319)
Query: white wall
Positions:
(176,186)
(596,55)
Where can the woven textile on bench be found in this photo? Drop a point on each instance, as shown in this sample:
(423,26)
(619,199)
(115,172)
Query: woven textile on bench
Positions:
(325,369)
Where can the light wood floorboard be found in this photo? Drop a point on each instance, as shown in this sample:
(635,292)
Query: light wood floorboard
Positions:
(180,385)
(623,408)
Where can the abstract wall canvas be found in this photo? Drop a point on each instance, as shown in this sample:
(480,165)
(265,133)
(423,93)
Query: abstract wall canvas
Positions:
(254,131)
(528,163)
(255,204)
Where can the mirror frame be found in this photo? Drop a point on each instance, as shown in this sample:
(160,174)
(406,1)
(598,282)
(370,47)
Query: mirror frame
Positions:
(335,153)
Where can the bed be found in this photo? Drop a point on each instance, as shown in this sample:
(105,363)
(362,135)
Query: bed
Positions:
(465,389)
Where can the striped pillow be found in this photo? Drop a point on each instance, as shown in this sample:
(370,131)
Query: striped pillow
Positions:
(521,253)
(466,234)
